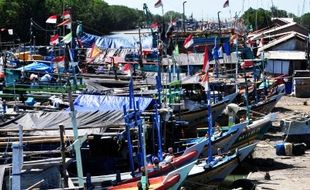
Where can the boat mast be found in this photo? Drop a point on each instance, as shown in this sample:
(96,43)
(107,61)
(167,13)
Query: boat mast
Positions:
(77,143)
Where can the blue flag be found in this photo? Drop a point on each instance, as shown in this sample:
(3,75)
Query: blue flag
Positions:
(226,47)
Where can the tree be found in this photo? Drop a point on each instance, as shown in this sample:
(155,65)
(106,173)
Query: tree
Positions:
(172,15)
(305,20)
(258,18)
(275,12)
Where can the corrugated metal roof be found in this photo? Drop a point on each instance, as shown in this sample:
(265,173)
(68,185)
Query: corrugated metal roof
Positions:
(286,55)
(280,40)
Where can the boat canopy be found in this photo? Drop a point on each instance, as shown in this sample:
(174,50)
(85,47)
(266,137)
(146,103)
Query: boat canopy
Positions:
(36,66)
(107,103)
(118,40)
(47,123)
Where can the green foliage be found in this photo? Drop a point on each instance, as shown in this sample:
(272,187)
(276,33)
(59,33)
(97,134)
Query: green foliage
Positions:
(259,18)
(275,12)
(172,15)
(96,15)
(305,20)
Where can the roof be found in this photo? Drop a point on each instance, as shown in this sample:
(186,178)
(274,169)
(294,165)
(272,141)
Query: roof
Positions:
(276,30)
(286,55)
(281,40)
(283,19)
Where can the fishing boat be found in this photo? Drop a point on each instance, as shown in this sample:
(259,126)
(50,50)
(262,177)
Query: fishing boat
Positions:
(189,155)
(220,141)
(171,181)
(255,130)
(195,113)
(297,129)
(204,173)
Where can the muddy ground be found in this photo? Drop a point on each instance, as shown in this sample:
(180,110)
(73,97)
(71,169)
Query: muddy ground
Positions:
(286,172)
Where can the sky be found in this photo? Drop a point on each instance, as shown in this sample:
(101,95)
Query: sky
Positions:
(208,9)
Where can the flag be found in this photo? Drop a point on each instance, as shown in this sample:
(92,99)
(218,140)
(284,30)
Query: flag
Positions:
(10,31)
(227,48)
(66,15)
(59,61)
(220,52)
(54,40)
(127,69)
(205,66)
(67,38)
(2,29)
(154,26)
(205,81)
(226,4)
(95,51)
(215,50)
(188,41)
(52,19)
(176,50)
(66,22)
(158,4)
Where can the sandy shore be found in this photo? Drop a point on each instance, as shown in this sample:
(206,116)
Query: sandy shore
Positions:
(286,172)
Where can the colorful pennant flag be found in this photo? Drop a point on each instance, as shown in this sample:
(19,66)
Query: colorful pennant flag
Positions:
(67,38)
(158,4)
(188,41)
(176,51)
(54,40)
(52,19)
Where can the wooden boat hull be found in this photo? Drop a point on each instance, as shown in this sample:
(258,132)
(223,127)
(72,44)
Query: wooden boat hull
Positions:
(267,106)
(171,181)
(199,176)
(198,117)
(254,131)
(297,129)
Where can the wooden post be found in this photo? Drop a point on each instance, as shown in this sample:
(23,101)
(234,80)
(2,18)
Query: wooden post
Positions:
(63,155)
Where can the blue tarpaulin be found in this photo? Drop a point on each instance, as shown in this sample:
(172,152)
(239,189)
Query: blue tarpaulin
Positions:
(107,103)
(129,40)
(36,66)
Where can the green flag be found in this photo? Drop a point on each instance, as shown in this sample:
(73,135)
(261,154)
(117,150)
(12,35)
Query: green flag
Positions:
(67,38)
(176,50)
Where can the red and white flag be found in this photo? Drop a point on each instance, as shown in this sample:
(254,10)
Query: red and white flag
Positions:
(154,26)
(54,40)
(205,81)
(66,15)
(52,19)
(127,69)
(205,66)
(59,61)
(226,4)
(188,41)
(158,4)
